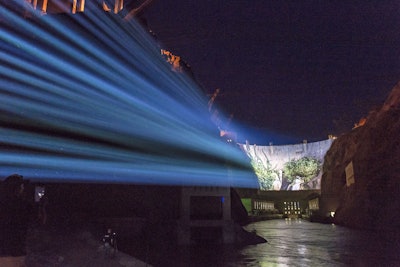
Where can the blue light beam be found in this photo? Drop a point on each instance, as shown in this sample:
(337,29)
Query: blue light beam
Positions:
(89,98)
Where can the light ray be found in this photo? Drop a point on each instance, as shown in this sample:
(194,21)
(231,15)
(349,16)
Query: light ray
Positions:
(88,97)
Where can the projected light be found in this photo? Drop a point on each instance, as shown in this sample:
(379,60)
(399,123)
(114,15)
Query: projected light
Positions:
(88,97)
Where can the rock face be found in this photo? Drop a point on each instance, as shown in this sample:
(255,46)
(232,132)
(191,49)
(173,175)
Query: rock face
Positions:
(373,200)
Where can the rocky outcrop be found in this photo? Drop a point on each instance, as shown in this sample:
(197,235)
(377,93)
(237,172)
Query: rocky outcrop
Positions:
(372,201)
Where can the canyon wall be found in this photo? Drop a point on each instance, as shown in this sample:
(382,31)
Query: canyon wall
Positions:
(361,172)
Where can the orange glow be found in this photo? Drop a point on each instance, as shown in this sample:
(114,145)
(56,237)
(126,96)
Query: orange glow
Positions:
(82,6)
(119,5)
(360,123)
(229,136)
(78,7)
(331,136)
(223,133)
(214,96)
(173,60)
(44,6)
(73,9)
(106,8)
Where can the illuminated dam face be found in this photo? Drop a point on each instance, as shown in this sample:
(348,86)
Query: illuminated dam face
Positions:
(89,98)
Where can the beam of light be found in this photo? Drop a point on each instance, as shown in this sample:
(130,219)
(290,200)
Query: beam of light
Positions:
(89,98)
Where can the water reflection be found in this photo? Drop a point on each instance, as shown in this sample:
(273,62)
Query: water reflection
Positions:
(301,243)
(290,243)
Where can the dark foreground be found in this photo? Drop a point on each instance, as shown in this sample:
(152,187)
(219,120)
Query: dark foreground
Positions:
(64,246)
(290,243)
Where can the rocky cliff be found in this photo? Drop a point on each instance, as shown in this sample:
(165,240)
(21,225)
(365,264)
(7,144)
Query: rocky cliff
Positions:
(372,199)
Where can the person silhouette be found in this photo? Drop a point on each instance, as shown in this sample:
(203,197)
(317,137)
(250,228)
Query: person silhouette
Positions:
(110,243)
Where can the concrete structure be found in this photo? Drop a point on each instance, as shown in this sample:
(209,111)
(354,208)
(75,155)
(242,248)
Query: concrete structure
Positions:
(262,205)
(206,216)
(273,159)
(287,203)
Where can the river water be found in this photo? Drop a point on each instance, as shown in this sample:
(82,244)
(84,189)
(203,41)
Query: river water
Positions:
(292,242)
(301,243)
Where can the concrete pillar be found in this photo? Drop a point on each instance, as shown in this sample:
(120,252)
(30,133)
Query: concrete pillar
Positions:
(304,146)
(184,222)
(226,207)
(225,223)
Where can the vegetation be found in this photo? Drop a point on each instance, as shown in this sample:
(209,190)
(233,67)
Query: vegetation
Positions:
(247,204)
(265,173)
(306,168)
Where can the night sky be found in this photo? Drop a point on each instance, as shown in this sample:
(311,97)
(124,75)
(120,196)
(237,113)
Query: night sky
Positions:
(287,70)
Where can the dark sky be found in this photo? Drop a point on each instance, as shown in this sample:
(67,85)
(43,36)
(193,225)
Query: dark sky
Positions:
(300,69)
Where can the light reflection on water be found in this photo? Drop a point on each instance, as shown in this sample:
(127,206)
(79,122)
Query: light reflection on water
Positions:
(301,243)
(293,243)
